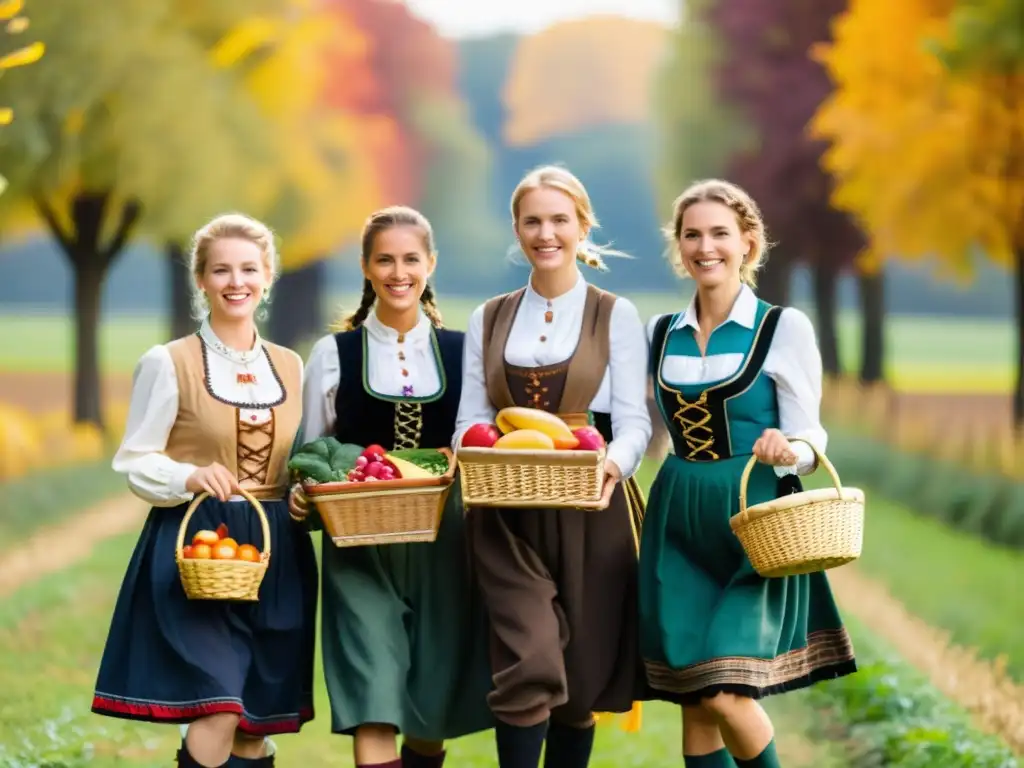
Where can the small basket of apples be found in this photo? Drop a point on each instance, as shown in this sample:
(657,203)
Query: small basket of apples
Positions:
(214,566)
(531,458)
(370,495)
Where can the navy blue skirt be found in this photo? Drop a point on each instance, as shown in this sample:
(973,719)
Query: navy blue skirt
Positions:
(169,659)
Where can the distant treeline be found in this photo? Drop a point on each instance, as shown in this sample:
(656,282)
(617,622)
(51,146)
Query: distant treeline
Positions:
(36,276)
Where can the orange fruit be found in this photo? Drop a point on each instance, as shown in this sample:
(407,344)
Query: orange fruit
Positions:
(224,551)
(186,551)
(206,537)
(248,552)
(201,552)
(230,542)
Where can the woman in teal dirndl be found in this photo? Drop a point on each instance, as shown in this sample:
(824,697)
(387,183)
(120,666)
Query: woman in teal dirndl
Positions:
(732,377)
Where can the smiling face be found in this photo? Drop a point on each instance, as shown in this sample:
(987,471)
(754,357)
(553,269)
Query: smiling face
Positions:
(235,277)
(548,228)
(398,267)
(711,245)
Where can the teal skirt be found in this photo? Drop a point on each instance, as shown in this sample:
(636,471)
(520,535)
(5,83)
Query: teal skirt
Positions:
(708,622)
(405,636)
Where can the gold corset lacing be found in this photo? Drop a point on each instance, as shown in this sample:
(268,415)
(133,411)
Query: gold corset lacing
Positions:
(408,425)
(696,432)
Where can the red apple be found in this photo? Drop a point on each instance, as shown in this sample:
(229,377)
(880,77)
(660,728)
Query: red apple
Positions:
(590,439)
(480,436)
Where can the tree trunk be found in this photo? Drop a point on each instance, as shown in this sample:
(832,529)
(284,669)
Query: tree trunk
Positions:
(296,308)
(872,307)
(89,277)
(90,260)
(1018,389)
(825,278)
(773,284)
(182,323)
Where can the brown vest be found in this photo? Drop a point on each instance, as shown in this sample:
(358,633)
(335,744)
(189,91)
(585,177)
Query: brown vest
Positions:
(586,366)
(208,429)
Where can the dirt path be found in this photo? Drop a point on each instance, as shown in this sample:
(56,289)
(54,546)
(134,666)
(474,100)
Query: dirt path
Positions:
(39,392)
(981,687)
(69,542)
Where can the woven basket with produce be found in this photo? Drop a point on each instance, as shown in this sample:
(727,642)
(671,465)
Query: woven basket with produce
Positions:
(531,458)
(803,532)
(368,495)
(213,566)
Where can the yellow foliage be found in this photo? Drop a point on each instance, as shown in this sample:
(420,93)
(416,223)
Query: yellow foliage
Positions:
(919,157)
(10,8)
(324,163)
(583,73)
(30,441)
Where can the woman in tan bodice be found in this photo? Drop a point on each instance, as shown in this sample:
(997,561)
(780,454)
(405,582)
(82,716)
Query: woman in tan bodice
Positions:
(215,412)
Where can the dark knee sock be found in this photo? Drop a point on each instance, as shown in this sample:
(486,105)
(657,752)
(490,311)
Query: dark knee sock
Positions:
(413,759)
(719,759)
(250,762)
(519,747)
(568,747)
(389,764)
(185,759)
(767,759)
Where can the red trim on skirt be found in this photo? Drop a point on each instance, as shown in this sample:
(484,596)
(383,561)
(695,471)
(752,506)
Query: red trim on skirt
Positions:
(160,713)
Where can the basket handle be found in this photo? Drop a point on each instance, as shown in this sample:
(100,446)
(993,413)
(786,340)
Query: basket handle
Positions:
(200,497)
(822,461)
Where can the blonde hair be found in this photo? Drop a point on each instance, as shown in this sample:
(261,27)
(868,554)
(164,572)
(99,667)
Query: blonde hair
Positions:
(557,177)
(380,221)
(228,225)
(748,217)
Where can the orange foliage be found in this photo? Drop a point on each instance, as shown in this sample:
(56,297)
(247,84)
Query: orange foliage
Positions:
(579,74)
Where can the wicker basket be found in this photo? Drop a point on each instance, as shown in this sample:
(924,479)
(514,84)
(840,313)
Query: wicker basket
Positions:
(495,477)
(222,579)
(803,532)
(389,512)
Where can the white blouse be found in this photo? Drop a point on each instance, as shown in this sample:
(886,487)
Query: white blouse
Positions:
(793,362)
(153,408)
(384,371)
(623,389)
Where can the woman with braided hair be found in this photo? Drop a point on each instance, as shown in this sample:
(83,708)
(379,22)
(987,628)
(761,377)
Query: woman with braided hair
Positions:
(404,637)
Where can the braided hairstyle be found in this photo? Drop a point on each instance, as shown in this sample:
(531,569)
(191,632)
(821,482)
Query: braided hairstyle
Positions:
(748,217)
(381,221)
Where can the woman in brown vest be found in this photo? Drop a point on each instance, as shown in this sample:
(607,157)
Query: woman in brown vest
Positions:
(212,413)
(560,584)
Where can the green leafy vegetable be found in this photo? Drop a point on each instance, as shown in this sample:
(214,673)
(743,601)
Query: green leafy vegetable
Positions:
(430,459)
(324,460)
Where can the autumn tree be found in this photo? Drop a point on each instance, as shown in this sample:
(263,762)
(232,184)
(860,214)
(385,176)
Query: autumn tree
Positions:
(439,162)
(601,131)
(83,153)
(986,51)
(927,158)
(771,80)
(15,53)
(698,132)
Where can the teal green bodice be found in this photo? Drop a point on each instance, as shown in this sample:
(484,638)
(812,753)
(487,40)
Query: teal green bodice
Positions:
(718,419)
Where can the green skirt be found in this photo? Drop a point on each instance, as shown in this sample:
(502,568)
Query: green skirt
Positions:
(405,635)
(708,622)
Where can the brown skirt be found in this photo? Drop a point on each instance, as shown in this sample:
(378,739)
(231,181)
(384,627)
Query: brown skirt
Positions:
(560,586)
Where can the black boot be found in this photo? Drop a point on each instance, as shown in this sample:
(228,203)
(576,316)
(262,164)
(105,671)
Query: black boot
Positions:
(568,747)
(250,762)
(185,760)
(413,759)
(519,747)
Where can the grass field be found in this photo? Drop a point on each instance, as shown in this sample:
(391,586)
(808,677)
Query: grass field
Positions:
(924,354)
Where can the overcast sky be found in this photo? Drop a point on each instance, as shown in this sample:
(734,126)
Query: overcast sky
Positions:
(469,18)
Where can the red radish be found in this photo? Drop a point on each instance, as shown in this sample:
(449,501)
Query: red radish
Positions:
(361,462)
